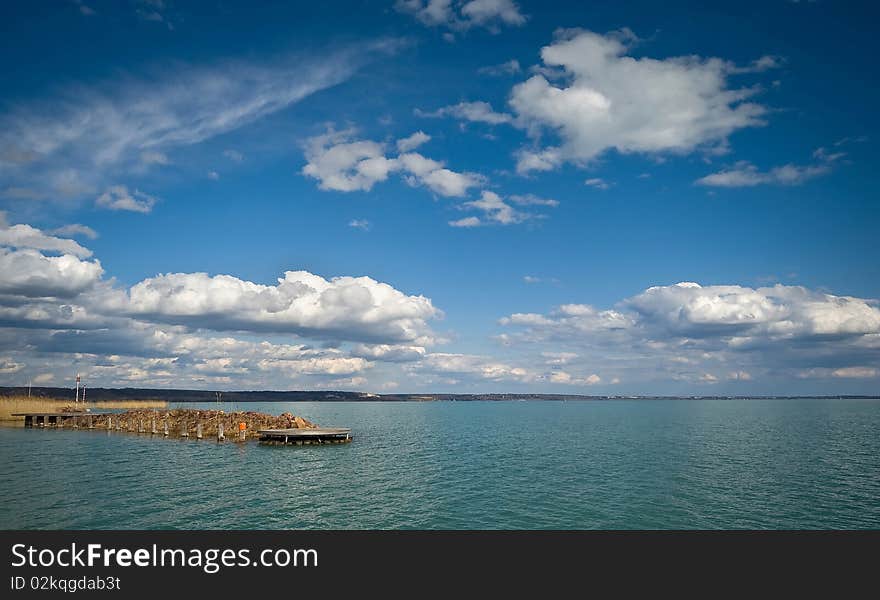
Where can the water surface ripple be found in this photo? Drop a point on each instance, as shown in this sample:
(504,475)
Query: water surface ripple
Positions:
(651,464)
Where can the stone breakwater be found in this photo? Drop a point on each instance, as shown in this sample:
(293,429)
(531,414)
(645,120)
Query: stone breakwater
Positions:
(187,423)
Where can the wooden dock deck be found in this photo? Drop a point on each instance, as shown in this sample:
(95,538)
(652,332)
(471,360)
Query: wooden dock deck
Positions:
(299,437)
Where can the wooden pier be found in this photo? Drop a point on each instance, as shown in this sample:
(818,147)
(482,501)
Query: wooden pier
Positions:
(199,424)
(59,419)
(300,437)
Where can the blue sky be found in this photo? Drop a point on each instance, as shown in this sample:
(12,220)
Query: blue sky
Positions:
(471,196)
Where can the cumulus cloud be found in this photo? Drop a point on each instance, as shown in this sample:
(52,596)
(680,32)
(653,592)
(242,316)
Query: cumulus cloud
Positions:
(609,100)
(389,352)
(463,15)
(344,308)
(475,112)
(118,197)
(495,211)
(677,331)
(779,311)
(344,164)
(412,142)
(569,379)
(30,274)
(198,329)
(25,236)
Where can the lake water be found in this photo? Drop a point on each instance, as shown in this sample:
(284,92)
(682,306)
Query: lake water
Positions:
(469,465)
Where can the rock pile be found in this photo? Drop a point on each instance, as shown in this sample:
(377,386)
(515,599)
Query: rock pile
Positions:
(187,422)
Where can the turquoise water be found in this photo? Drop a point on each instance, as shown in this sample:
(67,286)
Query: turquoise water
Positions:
(581,464)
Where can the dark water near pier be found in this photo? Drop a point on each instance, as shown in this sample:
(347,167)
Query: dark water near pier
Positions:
(586,464)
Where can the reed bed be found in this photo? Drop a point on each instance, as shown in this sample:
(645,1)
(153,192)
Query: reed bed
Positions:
(21,404)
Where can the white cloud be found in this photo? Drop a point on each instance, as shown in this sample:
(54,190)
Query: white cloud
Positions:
(76,229)
(495,210)
(75,142)
(598,183)
(475,112)
(342,164)
(857,372)
(30,274)
(760,65)
(466,222)
(213,175)
(841,373)
(118,197)
(361,224)
(511,67)
(8,367)
(543,160)
(25,236)
(745,174)
(486,12)
(778,311)
(201,330)
(347,308)
(412,142)
(568,379)
(739,376)
(608,100)
(346,166)
(233,155)
(559,358)
(460,16)
(389,352)
(690,332)
(479,366)
(532,200)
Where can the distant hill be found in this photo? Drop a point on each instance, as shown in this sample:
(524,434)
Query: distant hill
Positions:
(99,394)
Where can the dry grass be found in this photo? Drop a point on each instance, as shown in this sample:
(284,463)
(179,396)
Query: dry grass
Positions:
(21,404)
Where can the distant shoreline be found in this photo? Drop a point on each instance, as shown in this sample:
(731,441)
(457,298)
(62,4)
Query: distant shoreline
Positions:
(173,395)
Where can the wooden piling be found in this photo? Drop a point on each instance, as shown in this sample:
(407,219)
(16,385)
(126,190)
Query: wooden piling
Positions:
(220,436)
(165,433)
(199,431)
